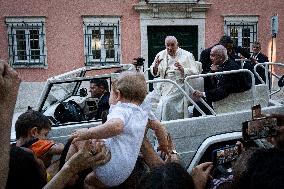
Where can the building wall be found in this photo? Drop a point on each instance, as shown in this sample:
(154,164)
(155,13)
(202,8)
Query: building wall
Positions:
(264,9)
(65,37)
(64,31)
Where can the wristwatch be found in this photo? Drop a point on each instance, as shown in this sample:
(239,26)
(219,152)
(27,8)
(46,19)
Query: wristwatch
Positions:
(174,152)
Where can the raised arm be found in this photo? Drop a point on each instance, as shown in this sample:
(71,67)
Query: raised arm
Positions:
(151,158)
(160,133)
(111,128)
(56,149)
(9,85)
(154,68)
(81,160)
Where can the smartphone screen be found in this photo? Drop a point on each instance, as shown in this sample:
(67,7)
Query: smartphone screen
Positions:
(256,111)
(225,154)
(259,128)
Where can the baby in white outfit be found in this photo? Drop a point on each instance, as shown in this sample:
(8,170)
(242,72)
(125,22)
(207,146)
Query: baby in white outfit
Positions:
(123,131)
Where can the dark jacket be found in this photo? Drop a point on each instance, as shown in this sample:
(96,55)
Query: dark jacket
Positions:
(261,58)
(24,170)
(206,62)
(223,85)
(205,57)
(244,52)
(103,105)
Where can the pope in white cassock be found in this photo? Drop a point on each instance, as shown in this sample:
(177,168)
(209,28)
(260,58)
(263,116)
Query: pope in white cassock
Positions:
(172,63)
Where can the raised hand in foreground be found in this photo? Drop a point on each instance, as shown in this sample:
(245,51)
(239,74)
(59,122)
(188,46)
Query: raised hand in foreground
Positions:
(9,85)
(86,157)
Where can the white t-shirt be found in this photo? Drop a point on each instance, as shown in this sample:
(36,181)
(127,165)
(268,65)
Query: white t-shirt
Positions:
(124,147)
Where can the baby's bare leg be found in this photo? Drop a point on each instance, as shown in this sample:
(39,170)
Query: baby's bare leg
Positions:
(92,182)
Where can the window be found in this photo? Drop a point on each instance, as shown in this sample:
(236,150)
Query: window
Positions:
(102,41)
(242,29)
(26,39)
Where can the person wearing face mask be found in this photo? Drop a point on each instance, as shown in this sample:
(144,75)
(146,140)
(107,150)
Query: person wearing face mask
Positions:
(175,64)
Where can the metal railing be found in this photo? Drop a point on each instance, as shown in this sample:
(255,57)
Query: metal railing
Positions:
(220,73)
(265,66)
(179,87)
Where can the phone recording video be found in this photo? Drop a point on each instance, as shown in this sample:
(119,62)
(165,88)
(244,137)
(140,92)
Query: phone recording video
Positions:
(225,155)
(259,128)
(256,111)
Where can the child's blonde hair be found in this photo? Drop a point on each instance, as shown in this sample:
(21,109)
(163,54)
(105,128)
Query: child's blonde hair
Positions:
(132,86)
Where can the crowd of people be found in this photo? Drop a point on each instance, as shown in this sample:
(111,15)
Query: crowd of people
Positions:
(22,166)
(86,150)
(117,153)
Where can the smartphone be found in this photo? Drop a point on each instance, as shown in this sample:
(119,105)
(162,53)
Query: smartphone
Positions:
(259,128)
(225,154)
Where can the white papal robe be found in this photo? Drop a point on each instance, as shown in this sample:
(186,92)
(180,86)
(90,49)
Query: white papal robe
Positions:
(167,102)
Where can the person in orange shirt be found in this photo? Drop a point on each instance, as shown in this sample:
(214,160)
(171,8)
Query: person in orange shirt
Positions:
(32,128)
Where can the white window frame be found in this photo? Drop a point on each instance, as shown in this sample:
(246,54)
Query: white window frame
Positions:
(249,21)
(26,24)
(103,24)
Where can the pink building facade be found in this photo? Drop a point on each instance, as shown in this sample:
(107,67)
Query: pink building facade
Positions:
(45,38)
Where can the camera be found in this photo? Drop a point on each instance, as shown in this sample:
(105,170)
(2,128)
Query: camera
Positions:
(139,61)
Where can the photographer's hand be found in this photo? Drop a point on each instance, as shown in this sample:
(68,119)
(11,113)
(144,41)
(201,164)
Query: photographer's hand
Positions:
(201,174)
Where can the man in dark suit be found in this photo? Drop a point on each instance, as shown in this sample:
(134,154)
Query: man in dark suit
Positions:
(99,89)
(232,51)
(257,57)
(221,85)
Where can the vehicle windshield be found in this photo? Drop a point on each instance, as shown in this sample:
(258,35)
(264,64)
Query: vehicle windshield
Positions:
(63,91)
(59,92)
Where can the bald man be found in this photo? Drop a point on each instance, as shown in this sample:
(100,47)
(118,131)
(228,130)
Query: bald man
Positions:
(222,85)
(175,64)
